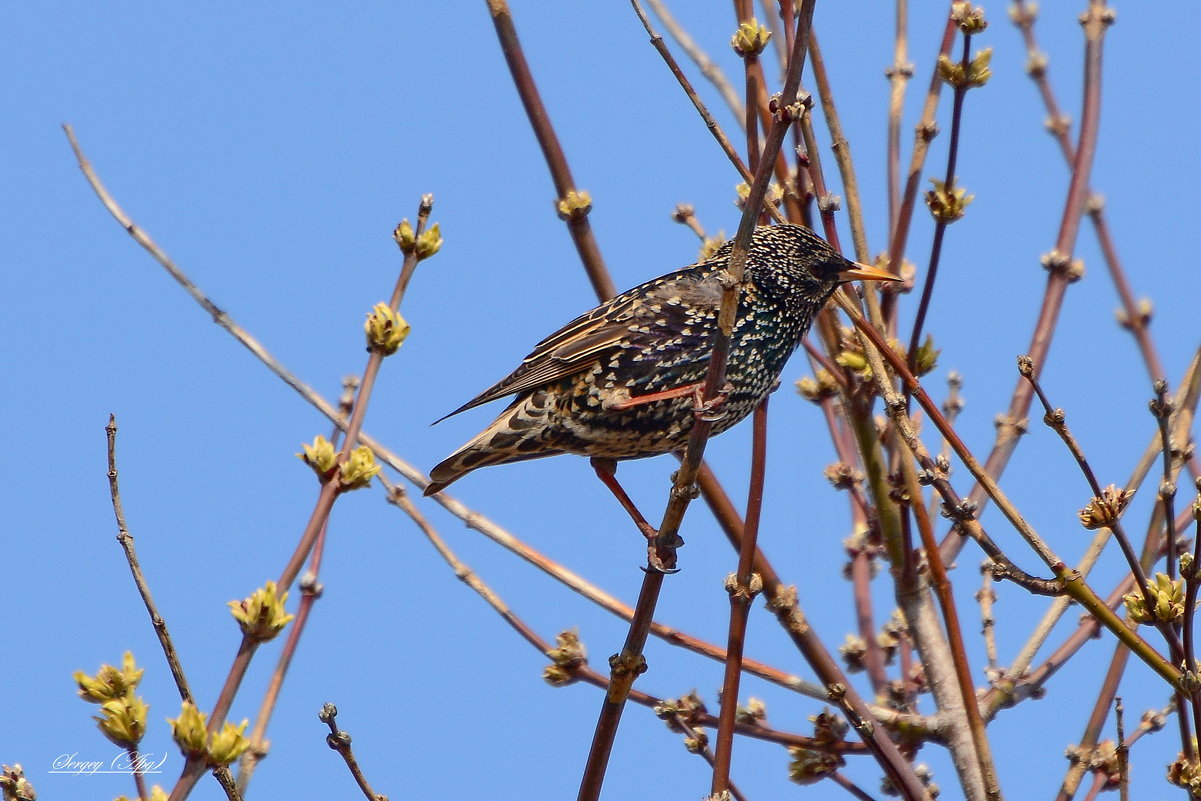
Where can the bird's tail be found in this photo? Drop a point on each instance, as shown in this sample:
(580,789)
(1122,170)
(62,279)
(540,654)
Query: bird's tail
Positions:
(518,434)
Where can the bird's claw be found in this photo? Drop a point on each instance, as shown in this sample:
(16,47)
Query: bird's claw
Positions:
(710,411)
(661,558)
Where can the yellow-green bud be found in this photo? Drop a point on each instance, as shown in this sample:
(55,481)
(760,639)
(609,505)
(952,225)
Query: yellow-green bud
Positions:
(854,652)
(405,239)
(1104,510)
(109,682)
(228,744)
(1186,773)
(853,360)
(13,784)
(926,358)
(320,456)
(696,743)
(1166,595)
(818,388)
(262,615)
(807,766)
(969,18)
(385,328)
(188,730)
(359,469)
(157,793)
(947,204)
(828,727)
(1036,64)
(710,245)
(775,195)
(1023,14)
(123,720)
(976,74)
(575,205)
(567,658)
(429,243)
(750,38)
(755,712)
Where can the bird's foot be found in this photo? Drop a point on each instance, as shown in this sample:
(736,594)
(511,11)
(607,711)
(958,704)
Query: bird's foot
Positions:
(661,558)
(710,410)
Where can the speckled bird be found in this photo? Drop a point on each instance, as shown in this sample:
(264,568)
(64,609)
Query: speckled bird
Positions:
(620,381)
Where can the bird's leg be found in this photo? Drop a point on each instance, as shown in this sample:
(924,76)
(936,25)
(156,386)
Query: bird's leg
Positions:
(606,471)
(667,394)
(709,410)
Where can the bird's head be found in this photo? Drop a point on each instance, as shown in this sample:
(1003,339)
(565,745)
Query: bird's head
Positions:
(801,259)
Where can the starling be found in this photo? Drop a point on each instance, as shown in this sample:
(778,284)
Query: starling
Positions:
(620,381)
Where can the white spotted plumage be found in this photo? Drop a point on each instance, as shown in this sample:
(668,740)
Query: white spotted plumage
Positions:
(652,338)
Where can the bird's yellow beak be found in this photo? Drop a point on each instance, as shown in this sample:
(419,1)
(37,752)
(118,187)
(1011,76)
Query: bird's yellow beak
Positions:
(864,272)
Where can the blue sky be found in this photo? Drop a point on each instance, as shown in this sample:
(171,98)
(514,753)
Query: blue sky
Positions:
(271,151)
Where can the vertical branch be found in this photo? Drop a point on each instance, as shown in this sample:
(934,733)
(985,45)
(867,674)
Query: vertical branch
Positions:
(1135,315)
(899,73)
(686,85)
(707,66)
(986,776)
(742,588)
(1058,262)
(629,663)
(573,205)
(135,567)
(942,220)
(924,132)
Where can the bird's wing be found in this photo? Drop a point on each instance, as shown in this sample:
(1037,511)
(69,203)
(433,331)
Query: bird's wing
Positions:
(575,347)
(581,343)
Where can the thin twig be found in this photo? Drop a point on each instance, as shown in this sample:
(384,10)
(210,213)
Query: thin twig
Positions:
(742,590)
(1057,421)
(1069,581)
(629,663)
(1059,261)
(924,132)
(135,567)
(710,123)
(899,73)
(339,741)
(574,214)
(709,68)
(1136,318)
(959,93)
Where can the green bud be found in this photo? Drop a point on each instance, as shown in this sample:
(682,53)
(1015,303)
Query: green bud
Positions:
(385,328)
(109,683)
(320,456)
(947,203)
(750,38)
(188,730)
(123,720)
(262,615)
(404,237)
(1166,595)
(429,243)
(359,469)
(575,205)
(228,744)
